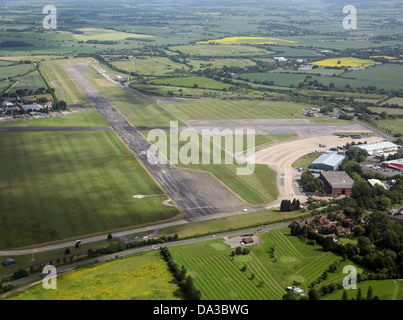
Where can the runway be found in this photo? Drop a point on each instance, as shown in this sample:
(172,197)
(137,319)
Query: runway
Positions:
(169,178)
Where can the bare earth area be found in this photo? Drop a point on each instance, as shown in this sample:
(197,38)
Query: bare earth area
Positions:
(281,156)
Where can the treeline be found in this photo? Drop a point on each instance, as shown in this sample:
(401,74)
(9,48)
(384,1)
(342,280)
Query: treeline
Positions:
(120,245)
(185,281)
(14,44)
(288,205)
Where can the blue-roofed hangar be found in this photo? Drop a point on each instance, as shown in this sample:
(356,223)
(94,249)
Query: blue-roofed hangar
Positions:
(328,161)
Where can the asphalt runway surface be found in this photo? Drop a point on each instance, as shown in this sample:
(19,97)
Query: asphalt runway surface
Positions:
(172,182)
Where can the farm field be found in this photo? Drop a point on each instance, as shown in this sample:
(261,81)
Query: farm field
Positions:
(15,70)
(246,40)
(106,35)
(143,276)
(384,289)
(219,63)
(149,65)
(279,78)
(220,50)
(33,80)
(196,82)
(396,125)
(395,100)
(84,180)
(225,110)
(387,110)
(345,62)
(219,277)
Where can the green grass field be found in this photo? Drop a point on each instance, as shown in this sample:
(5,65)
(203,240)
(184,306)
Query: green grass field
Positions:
(384,289)
(32,80)
(306,162)
(149,115)
(14,71)
(219,277)
(57,185)
(227,110)
(57,78)
(143,276)
(256,188)
(395,100)
(396,125)
(79,119)
(219,63)
(387,110)
(149,65)
(220,50)
(201,82)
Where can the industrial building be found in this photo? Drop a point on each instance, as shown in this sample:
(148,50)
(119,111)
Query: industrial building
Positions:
(376,148)
(394,164)
(337,182)
(374,182)
(328,161)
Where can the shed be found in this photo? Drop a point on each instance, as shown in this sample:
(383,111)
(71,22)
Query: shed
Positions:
(8,262)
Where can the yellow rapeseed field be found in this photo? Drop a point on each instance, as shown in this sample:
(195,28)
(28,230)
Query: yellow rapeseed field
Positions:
(345,62)
(143,277)
(247,40)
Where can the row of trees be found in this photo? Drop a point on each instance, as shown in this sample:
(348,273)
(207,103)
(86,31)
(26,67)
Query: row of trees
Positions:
(185,281)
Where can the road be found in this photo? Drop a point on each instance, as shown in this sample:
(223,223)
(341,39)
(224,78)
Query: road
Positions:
(171,181)
(73,266)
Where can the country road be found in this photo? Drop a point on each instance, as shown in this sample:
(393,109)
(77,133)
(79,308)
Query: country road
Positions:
(73,266)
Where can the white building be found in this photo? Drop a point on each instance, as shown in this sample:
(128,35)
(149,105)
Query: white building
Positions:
(377,147)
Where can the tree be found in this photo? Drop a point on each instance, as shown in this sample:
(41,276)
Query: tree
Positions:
(345,295)
(109,236)
(359,295)
(370,293)
(67,251)
(290,295)
(313,294)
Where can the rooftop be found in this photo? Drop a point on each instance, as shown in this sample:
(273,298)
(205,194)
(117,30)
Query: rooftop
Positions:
(330,159)
(376,146)
(338,179)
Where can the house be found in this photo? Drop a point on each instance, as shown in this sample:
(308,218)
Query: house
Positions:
(321,220)
(247,240)
(396,215)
